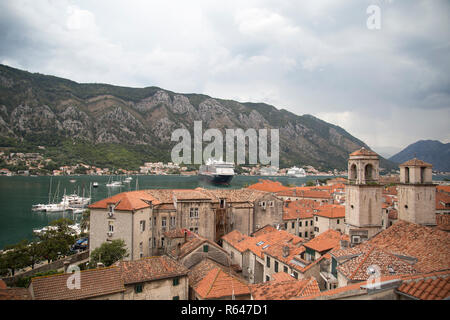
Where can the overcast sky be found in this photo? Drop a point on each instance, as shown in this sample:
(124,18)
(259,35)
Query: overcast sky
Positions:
(389,87)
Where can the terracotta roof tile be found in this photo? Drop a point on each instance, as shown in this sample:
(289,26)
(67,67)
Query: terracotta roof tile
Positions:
(327,240)
(430,246)
(355,288)
(415,162)
(357,268)
(284,290)
(261,242)
(149,269)
(445,189)
(193,242)
(14,294)
(305,193)
(268,185)
(442,201)
(331,211)
(427,287)
(126,201)
(282,276)
(363,152)
(93,283)
(263,230)
(218,284)
(301,209)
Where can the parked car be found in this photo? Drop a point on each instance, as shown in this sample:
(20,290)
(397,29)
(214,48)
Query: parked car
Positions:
(81,245)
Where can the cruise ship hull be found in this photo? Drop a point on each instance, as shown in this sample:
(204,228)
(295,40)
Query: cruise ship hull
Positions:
(216,178)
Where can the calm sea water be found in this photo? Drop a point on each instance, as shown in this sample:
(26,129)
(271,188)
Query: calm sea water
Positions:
(18,194)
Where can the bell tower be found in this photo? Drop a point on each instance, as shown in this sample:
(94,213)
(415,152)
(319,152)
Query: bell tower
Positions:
(363,213)
(416,193)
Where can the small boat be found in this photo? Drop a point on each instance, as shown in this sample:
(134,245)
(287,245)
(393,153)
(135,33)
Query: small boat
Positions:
(114,184)
(75,201)
(95,184)
(72,180)
(128,180)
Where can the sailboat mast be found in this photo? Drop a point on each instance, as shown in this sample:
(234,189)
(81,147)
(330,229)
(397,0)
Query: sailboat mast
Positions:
(50,190)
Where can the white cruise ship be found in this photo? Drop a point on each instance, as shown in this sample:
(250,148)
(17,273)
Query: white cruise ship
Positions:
(217,171)
(296,172)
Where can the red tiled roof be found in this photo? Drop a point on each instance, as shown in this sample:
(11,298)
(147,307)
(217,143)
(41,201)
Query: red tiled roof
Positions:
(126,201)
(150,269)
(201,269)
(268,185)
(392,190)
(445,189)
(14,294)
(3,284)
(176,233)
(415,162)
(193,242)
(237,240)
(393,214)
(427,287)
(356,269)
(263,230)
(443,222)
(219,284)
(331,211)
(284,290)
(327,240)
(301,209)
(93,283)
(363,152)
(442,201)
(282,276)
(305,193)
(430,246)
(261,242)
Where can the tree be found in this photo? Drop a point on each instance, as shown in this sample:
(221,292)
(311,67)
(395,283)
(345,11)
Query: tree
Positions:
(309,183)
(34,251)
(57,239)
(108,253)
(15,257)
(85,220)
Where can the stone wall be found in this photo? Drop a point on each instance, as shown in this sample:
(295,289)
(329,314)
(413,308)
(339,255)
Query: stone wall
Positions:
(59,264)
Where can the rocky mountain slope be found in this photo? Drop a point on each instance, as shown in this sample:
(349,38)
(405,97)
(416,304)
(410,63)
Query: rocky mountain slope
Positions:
(47,110)
(431,151)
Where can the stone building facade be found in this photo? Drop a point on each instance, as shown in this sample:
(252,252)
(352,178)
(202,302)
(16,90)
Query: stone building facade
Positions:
(141,218)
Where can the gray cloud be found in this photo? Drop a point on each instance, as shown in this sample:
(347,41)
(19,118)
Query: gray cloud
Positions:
(389,87)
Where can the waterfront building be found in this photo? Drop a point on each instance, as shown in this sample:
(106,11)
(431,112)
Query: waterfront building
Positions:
(141,218)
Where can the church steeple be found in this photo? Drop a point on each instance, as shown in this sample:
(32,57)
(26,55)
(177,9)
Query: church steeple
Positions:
(363,213)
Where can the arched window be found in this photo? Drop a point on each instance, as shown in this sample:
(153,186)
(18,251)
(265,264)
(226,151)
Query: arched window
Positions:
(368,172)
(353,172)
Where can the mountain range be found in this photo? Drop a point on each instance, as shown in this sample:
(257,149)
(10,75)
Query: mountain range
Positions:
(431,151)
(108,125)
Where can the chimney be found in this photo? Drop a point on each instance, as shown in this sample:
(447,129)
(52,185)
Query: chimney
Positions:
(178,249)
(285,251)
(66,265)
(344,244)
